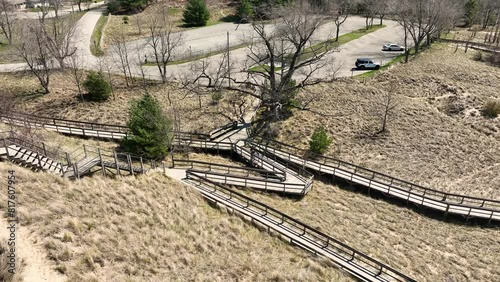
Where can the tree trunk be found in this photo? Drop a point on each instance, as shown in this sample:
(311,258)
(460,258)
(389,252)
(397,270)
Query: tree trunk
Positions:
(407,52)
(337,34)
(381,20)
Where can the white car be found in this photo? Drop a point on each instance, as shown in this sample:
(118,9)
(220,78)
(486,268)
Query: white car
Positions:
(392,47)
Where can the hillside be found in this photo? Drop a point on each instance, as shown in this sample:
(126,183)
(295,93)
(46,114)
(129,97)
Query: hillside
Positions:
(455,151)
(149,228)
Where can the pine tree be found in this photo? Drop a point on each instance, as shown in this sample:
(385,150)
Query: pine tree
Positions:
(470,12)
(150,131)
(196,13)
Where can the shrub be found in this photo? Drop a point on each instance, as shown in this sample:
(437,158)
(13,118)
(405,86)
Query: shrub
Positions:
(126,6)
(216,97)
(196,13)
(245,10)
(478,56)
(97,87)
(150,129)
(125,20)
(319,141)
(491,109)
(494,59)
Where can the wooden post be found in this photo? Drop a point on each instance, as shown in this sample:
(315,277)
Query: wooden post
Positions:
(142,165)
(129,160)
(85,150)
(68,160)
(77,171)
(163,165)
(6,148)
(100,160)
(44,150)
(116,162)
(39,160)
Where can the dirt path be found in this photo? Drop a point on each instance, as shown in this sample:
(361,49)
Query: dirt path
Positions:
(36,266)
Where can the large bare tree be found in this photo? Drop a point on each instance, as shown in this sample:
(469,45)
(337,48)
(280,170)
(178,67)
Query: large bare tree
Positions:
(59,32)
(32,48)
(425,18)
(163,40)
(7,19)
(284,59)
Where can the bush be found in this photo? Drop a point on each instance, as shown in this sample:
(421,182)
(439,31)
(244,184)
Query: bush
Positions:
(150,129)
(494,59)
(245,10)
(97,87)
(216,97)
(126,6)
(319,141)
(491,109)
(196,13)
(125,20)
(478,56)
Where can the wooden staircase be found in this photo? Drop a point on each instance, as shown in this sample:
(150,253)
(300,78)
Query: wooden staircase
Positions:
(32,159)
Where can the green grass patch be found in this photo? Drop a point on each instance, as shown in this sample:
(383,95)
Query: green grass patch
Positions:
(343,39)
(262,68)
(95,41)
(195,57)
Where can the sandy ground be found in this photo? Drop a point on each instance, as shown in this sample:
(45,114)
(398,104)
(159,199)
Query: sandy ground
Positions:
(436,137)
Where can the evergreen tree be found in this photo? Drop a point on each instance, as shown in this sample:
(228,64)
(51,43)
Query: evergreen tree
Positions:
(245,10)
(196,13)
(319,141)
(471,8)
(150,130)
(98,89)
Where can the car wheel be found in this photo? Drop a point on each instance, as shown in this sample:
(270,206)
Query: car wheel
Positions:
(361,67)
(402,49)
(377,67)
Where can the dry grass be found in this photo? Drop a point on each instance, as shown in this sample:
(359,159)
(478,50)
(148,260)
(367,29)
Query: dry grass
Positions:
(466,34)
(455,151)
(150,228)
(131,30)
(424,248)
(5,274)
(197,112)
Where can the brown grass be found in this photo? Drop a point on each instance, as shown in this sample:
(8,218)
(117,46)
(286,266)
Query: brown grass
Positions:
(424,248)
(455,151)
(150,228)
(63,102)
(5,274)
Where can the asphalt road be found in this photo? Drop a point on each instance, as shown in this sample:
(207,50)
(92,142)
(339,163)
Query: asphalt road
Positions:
(204,40)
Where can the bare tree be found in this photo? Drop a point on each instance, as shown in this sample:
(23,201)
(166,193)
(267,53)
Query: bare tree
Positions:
(385,107)
(7,19)
(121,49)
(76,67)
(32,48)
(59,32)
(340,11)
(425,18)
(162,39)
(286,58)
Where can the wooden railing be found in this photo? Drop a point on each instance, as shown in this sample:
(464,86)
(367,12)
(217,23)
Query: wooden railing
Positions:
(322,163)
(16,143)
(357,263)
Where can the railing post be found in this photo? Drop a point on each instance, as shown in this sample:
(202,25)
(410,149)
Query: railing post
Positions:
(116,163)
(100,160)
(129,160)
(44,150)
(76,170)
(6,147)
(163,166)
(68,160)
(142,165)
(85,150)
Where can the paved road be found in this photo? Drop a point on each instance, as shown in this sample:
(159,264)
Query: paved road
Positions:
(51,14)
(207,38)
